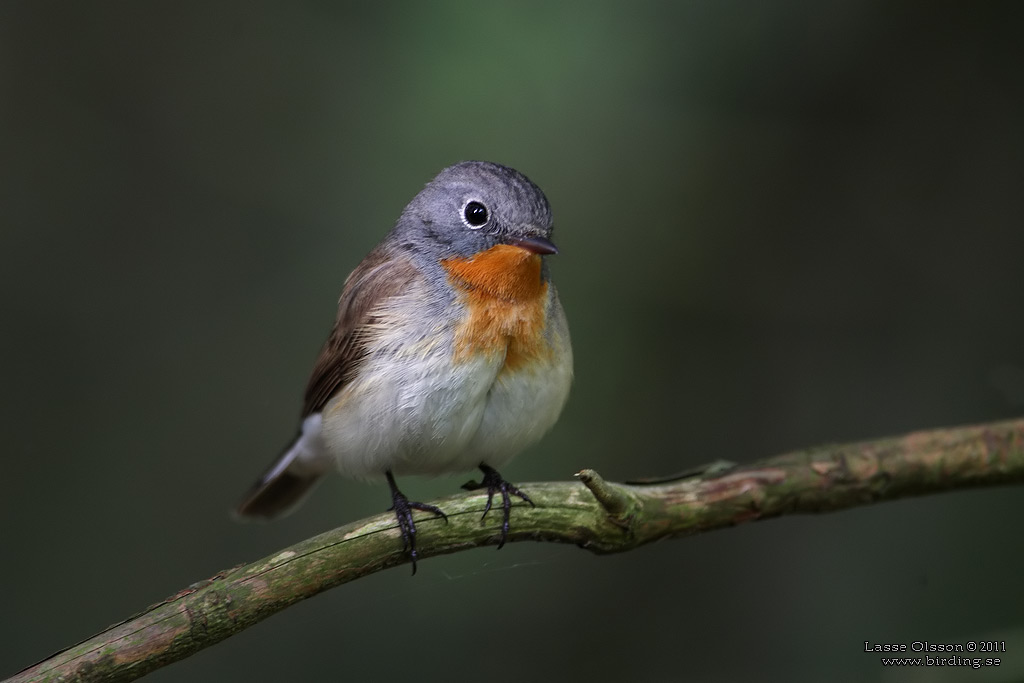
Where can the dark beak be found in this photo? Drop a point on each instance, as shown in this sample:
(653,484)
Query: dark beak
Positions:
(537,245)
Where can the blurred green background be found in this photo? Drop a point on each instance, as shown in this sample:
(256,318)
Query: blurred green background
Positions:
(782,224)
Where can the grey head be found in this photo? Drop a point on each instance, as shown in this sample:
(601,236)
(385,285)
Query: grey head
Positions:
(473,206)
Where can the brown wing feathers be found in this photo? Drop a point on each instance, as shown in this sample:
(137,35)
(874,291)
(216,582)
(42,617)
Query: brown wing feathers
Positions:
(378,277)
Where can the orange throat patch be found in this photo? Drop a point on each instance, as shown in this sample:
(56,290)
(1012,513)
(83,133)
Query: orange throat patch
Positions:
(505,299)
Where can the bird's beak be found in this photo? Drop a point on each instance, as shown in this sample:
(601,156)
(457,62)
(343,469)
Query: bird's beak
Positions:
(535,245)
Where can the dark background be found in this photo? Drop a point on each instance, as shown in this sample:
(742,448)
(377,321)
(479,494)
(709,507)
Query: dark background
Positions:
(782,224)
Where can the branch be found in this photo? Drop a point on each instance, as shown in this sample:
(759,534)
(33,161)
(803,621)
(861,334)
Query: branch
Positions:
(597,515)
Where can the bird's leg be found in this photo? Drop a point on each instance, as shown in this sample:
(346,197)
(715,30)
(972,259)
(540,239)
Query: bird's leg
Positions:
(403,508)
(493,482)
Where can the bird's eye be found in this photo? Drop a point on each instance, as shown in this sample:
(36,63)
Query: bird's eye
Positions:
(475,215)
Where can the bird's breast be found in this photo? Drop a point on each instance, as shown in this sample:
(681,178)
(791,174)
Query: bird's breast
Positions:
(505,299)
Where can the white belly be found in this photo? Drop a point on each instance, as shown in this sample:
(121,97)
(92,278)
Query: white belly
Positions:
(412,408)
(433,417)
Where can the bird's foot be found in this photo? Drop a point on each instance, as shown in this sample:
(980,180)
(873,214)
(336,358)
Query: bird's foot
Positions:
(494,483)
(403,508)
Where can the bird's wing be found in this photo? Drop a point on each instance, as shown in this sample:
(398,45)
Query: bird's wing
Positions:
(380,275)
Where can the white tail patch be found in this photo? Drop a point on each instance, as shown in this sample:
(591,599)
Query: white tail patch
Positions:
(306,456)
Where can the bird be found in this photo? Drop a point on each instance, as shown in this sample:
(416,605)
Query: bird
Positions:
(450,351)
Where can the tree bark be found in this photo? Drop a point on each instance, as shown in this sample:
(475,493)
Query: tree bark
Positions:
(594,514)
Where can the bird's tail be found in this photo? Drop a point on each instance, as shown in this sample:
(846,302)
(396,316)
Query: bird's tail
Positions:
(290,479)
(277,496)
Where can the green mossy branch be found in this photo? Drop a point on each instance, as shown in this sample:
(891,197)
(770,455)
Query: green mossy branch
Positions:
(594,514)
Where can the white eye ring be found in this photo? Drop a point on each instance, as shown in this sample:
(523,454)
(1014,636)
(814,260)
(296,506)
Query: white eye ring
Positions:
(475,215)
